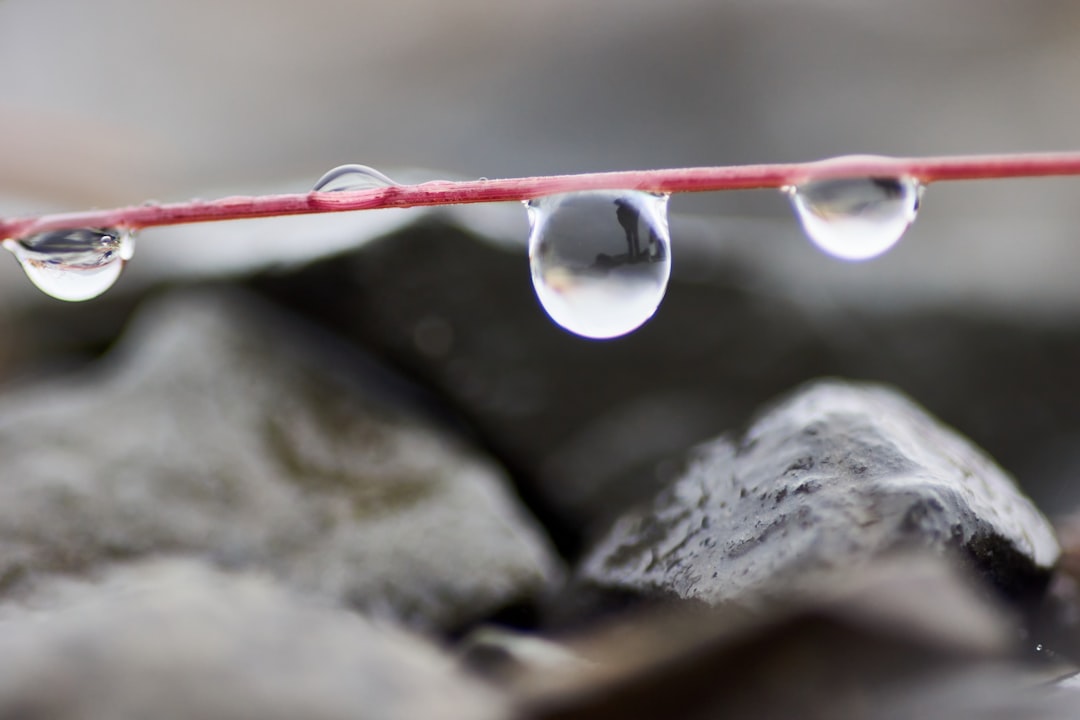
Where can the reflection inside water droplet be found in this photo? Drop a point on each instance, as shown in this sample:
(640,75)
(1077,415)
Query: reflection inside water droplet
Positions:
(352,177)
(73,265)
(856,218)
(600,259)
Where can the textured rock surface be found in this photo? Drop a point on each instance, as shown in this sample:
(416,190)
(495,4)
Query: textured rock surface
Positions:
(591,426)
(824,483)
(583,423)
(175,639)
(219,428)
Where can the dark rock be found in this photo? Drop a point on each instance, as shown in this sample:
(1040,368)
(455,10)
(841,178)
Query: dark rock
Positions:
(1056,630)
(878,638)
(221,428)
(824,484)
(175,639)
(581,423)
(589,427)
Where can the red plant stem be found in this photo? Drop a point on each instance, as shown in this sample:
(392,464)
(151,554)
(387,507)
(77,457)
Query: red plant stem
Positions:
(741,177)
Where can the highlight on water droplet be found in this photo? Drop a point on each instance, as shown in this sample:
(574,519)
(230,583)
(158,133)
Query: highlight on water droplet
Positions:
(351,178)
(73,265)
(600,259)
(856,218)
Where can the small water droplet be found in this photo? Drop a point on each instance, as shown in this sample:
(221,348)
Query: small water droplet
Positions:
(600,259)
(352,177)
(856,218)
(73,265)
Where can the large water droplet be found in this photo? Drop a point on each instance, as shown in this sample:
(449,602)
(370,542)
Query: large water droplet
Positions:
(856,218)
(73,265)
(352,177)
(600,259)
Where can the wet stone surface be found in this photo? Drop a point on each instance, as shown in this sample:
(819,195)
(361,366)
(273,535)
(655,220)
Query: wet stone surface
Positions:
(829,480)
(178,639)
(219,428)
(580,423)
(248,438)
(590,427)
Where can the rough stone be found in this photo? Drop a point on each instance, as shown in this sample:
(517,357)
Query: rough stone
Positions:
(224,428)
(177,639)
(581,423)
(591,427)
(825,483)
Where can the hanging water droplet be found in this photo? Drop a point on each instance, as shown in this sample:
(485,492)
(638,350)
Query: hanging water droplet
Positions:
(73,265)
(856,218)
(600,259)
(352,177)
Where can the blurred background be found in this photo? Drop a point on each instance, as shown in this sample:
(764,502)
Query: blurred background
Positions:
(119,102)
(974,313)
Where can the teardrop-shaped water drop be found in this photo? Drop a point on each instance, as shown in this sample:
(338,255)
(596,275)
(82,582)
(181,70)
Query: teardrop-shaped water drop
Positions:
(73,265)
(351,178)
(600,259)
(856,218)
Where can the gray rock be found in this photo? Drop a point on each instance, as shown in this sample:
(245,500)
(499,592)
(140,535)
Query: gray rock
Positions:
(590,427)
(879,640)
(175,639)
(821,485)
(219,428)
(504,656)
(582,423)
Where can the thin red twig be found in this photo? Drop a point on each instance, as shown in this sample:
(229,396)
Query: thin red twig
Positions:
(706,179)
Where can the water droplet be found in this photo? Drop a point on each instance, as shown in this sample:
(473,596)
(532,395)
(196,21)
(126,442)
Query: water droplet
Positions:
(856,218)
(352,177)
(600,259)
(73,265)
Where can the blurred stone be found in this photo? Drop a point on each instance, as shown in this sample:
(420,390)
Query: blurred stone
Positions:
(589,427)
(222,428)
(504,655)
(175,639)
(1070,683)
(823,484)
(1057,628)
(979,694)
(878,637)
(582,424)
